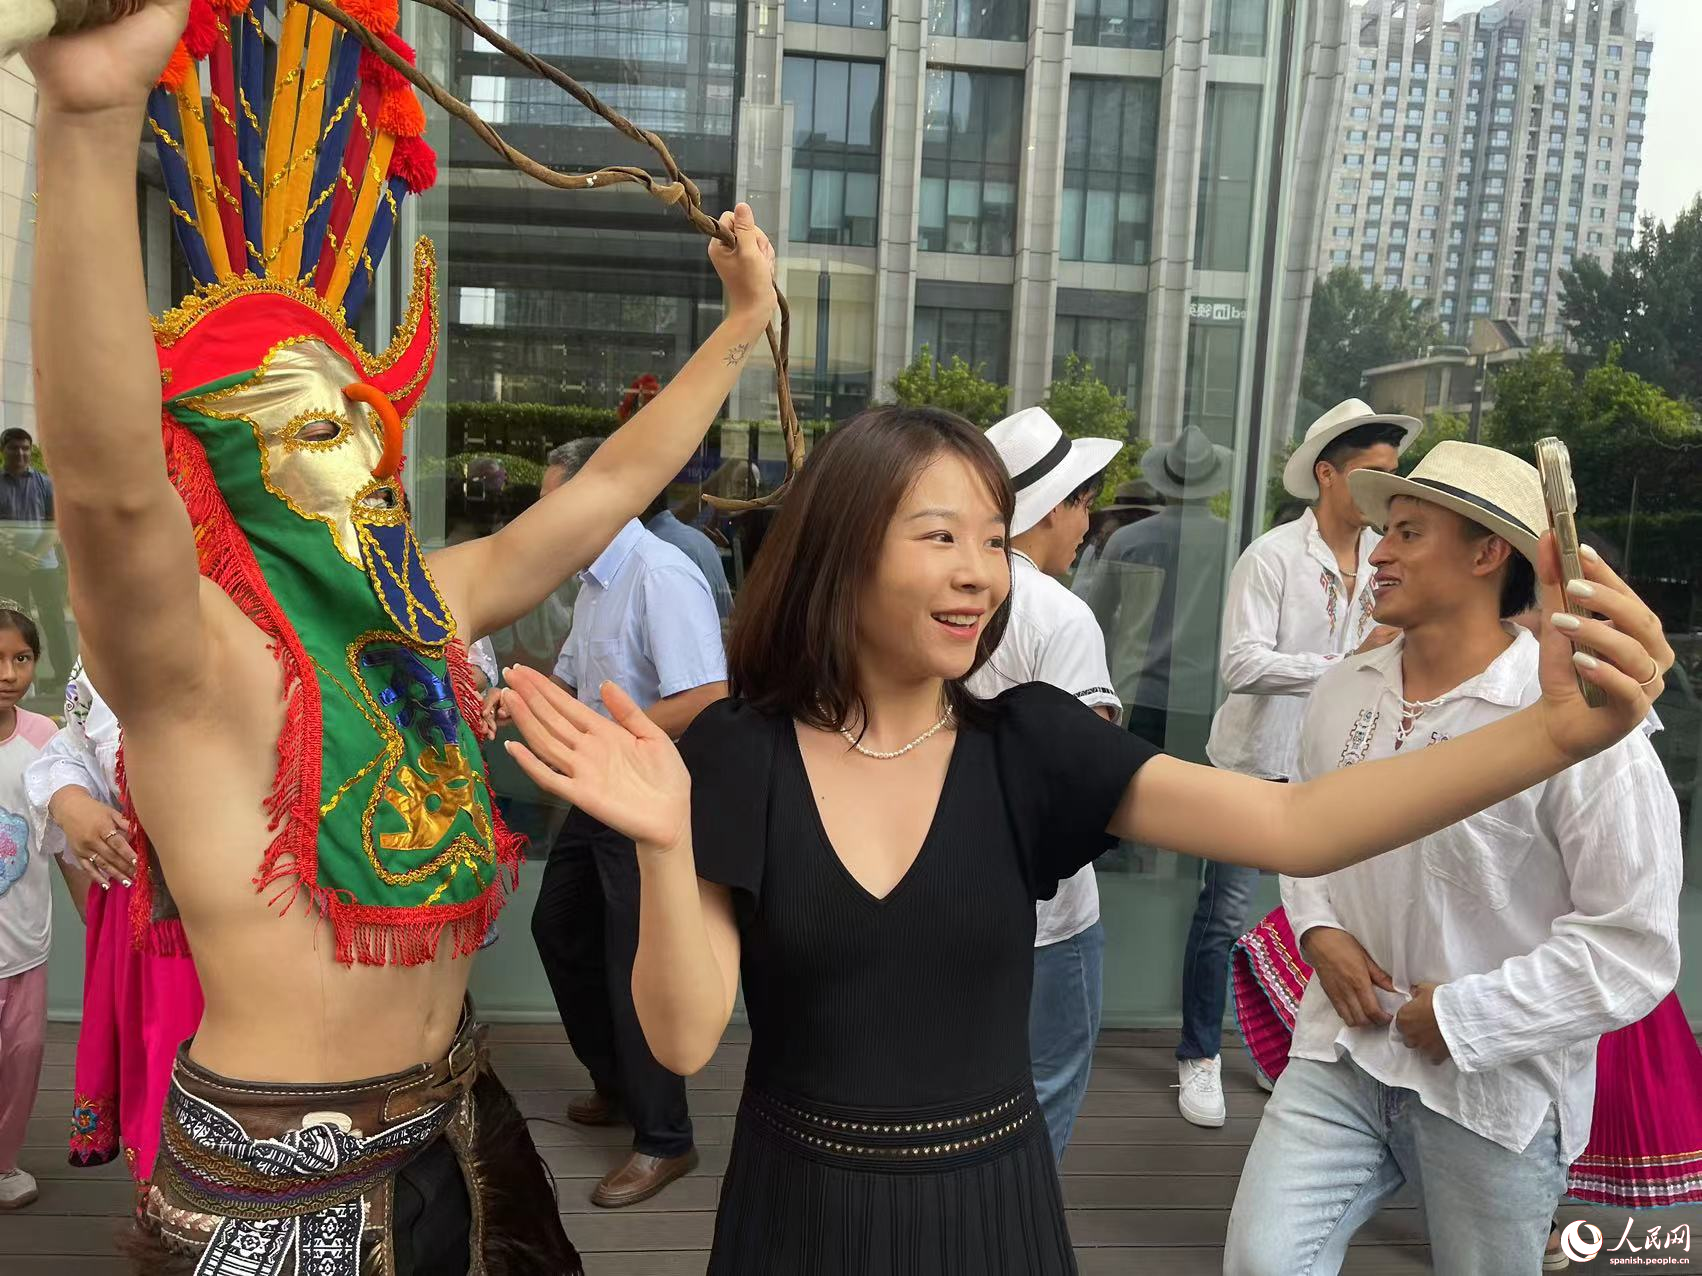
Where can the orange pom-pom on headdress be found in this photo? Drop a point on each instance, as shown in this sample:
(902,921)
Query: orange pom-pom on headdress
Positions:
(402,115)
(177,69)
(377,16)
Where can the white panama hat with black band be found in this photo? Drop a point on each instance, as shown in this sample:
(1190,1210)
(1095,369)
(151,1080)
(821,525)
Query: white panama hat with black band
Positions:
(1300,474)
(1044,463)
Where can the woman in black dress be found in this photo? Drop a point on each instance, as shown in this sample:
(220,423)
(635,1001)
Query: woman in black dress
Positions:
(867,842)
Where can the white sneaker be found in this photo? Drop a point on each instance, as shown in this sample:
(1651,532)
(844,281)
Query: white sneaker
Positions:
(17,1189)
(1201,1098)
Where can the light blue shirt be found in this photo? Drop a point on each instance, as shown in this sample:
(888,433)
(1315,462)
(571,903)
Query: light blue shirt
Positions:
(644,620)
(701,550)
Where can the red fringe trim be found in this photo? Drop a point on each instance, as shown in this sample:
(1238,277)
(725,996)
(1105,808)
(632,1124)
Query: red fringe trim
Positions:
(367,934)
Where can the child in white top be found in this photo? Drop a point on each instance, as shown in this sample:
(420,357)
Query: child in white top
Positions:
(26,906)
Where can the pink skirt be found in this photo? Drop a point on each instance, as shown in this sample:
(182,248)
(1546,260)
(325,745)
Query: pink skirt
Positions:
(1645,1147)
(137,1009)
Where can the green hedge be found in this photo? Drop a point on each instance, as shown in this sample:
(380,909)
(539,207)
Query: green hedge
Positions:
(1663,546)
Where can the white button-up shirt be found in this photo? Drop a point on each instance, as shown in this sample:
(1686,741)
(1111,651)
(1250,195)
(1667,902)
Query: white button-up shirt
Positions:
(1052,637)
(1287,617)
(1549,919)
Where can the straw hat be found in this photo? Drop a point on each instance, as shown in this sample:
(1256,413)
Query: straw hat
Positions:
(1492,488)
(1300,475)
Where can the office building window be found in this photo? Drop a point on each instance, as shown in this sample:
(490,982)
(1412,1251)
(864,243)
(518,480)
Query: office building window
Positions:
(981,338)
(1121,24)
(1108,335)
(971,140)
(1110,155)
(1238,28)
(979,19)
(836,135)
(1228,164)
(867,14)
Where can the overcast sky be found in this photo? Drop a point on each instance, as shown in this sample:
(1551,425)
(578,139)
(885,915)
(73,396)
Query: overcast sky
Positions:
(1672,159)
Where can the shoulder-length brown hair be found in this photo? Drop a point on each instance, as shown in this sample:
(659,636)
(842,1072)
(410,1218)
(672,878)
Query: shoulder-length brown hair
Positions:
(792,648)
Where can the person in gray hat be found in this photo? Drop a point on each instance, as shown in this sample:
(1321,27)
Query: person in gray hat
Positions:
(1168,569)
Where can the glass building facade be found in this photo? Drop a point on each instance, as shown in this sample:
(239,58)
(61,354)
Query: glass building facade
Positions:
(1135,182)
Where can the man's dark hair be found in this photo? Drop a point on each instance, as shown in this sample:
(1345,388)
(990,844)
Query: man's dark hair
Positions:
(15,433)
(1361,438)
(1519,584)
(1087,491)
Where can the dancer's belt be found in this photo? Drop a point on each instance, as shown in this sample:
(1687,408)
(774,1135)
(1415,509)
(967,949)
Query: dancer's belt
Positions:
(921,1138)
(264,1178)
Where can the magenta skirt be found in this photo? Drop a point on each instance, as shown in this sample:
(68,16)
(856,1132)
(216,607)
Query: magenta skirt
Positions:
(1645,1146)
(137,1009)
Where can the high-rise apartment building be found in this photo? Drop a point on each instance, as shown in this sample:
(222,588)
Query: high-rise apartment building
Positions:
(1477,158)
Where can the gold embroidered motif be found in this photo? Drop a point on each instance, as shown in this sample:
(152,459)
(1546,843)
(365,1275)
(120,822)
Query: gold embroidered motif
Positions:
(464,849)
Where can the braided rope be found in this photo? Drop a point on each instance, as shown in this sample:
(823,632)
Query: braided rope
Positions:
(677,189)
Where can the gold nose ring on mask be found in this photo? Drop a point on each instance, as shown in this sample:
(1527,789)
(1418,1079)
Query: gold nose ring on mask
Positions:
(379,402)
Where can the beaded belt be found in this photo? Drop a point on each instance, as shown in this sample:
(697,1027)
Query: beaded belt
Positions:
(924,1139)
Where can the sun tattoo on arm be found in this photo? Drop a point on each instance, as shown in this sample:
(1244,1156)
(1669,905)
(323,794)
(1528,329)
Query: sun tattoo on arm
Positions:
(736,355)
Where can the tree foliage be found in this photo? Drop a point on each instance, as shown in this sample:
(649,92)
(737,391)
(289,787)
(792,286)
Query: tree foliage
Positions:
(1354,327)
(954,386)
(1649,305)
(1086,408)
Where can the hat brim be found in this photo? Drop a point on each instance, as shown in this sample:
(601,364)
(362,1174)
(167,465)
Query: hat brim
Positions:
(1153,471)
(1086,458)
(1300,474)
(1374,489)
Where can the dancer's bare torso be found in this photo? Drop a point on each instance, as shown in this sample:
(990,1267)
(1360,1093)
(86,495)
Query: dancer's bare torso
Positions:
(279,1006)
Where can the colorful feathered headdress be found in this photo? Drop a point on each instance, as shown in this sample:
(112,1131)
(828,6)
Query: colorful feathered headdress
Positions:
(297,180)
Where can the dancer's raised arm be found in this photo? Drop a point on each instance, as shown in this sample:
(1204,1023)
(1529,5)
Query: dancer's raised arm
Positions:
(134,581)
(1354,813)
(492,581)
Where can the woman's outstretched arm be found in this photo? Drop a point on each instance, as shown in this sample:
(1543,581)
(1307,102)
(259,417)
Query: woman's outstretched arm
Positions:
(627,774)
(1360,811)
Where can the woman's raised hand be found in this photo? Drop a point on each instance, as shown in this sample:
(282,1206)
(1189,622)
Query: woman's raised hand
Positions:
(625,773)
(1630,664)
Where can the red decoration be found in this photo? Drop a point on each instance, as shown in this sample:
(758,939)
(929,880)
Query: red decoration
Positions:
(375,70)
(415,163)
(202,32)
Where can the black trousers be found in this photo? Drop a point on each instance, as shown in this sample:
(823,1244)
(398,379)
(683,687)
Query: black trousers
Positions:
(586,929)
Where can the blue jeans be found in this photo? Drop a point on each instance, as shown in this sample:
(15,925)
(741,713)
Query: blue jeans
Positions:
(1335,1144)
(1220,918)
(1063,1024)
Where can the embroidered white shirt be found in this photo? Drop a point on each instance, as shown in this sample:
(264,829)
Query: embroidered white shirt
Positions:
(1052,637)
(1549,919)
(1287,617)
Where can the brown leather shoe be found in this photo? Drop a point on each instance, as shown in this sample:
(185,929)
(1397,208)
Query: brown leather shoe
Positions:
(641,1178)
(595,1109)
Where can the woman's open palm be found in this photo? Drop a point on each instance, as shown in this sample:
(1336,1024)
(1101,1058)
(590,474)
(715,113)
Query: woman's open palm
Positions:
(625,773)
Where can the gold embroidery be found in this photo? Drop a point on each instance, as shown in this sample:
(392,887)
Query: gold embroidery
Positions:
(178,321)
(464,849)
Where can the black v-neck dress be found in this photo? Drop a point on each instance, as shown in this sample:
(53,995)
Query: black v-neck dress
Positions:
(888,1123)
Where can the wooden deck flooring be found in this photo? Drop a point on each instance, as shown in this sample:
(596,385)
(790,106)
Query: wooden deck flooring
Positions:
(1146,1192)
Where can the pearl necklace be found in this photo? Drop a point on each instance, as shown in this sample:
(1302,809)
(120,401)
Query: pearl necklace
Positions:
(927,735)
